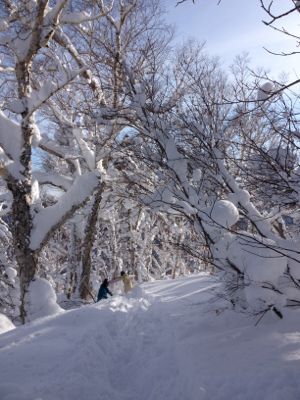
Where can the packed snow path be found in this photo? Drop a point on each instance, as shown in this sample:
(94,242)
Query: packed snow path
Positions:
(166,341)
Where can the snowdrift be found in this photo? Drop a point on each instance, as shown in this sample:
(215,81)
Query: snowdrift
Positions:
(168,340)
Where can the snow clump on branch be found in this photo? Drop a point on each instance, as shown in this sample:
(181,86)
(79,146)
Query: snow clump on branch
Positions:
(265,91)
(224,213)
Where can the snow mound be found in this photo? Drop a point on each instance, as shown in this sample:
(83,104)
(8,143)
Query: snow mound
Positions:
(42,300)
(5,324)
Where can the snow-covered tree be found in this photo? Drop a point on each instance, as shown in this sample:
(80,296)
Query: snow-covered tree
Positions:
(195,145)
(35,73)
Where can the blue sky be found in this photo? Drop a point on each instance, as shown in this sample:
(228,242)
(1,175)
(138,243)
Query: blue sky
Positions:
(236,26)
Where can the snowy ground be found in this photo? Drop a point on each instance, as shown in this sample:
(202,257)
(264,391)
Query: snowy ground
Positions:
(163,342)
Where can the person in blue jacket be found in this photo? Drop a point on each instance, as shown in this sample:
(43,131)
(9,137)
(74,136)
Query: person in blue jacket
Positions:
(103,290)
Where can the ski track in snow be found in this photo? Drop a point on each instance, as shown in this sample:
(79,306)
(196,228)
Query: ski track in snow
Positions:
(163,342)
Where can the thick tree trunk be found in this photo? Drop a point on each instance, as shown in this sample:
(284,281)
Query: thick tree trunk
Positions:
(89,238)
(21,192)
(22,219)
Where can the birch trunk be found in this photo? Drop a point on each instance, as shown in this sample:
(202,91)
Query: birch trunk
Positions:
(21,192)
(26,258)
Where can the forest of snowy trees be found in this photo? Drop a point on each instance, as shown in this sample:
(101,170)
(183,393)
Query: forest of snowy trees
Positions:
(120,150)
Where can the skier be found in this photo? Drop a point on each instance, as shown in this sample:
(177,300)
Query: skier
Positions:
(126,281)
(103,290)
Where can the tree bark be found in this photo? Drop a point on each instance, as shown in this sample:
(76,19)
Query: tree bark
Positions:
(21,191)
(89,238)
(74,260)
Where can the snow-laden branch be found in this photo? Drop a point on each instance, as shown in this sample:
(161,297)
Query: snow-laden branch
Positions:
(261,223)
(7,70)
(176,161)
(63,182)
(38,97)
(63,40)
(76,18)
(88,154)
(50,218)
(59,151)
(40,30)
(80,17)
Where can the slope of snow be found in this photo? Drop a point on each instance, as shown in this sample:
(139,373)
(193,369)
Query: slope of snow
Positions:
(168,340)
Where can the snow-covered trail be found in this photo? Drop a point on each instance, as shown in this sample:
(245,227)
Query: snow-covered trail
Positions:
(163,342)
